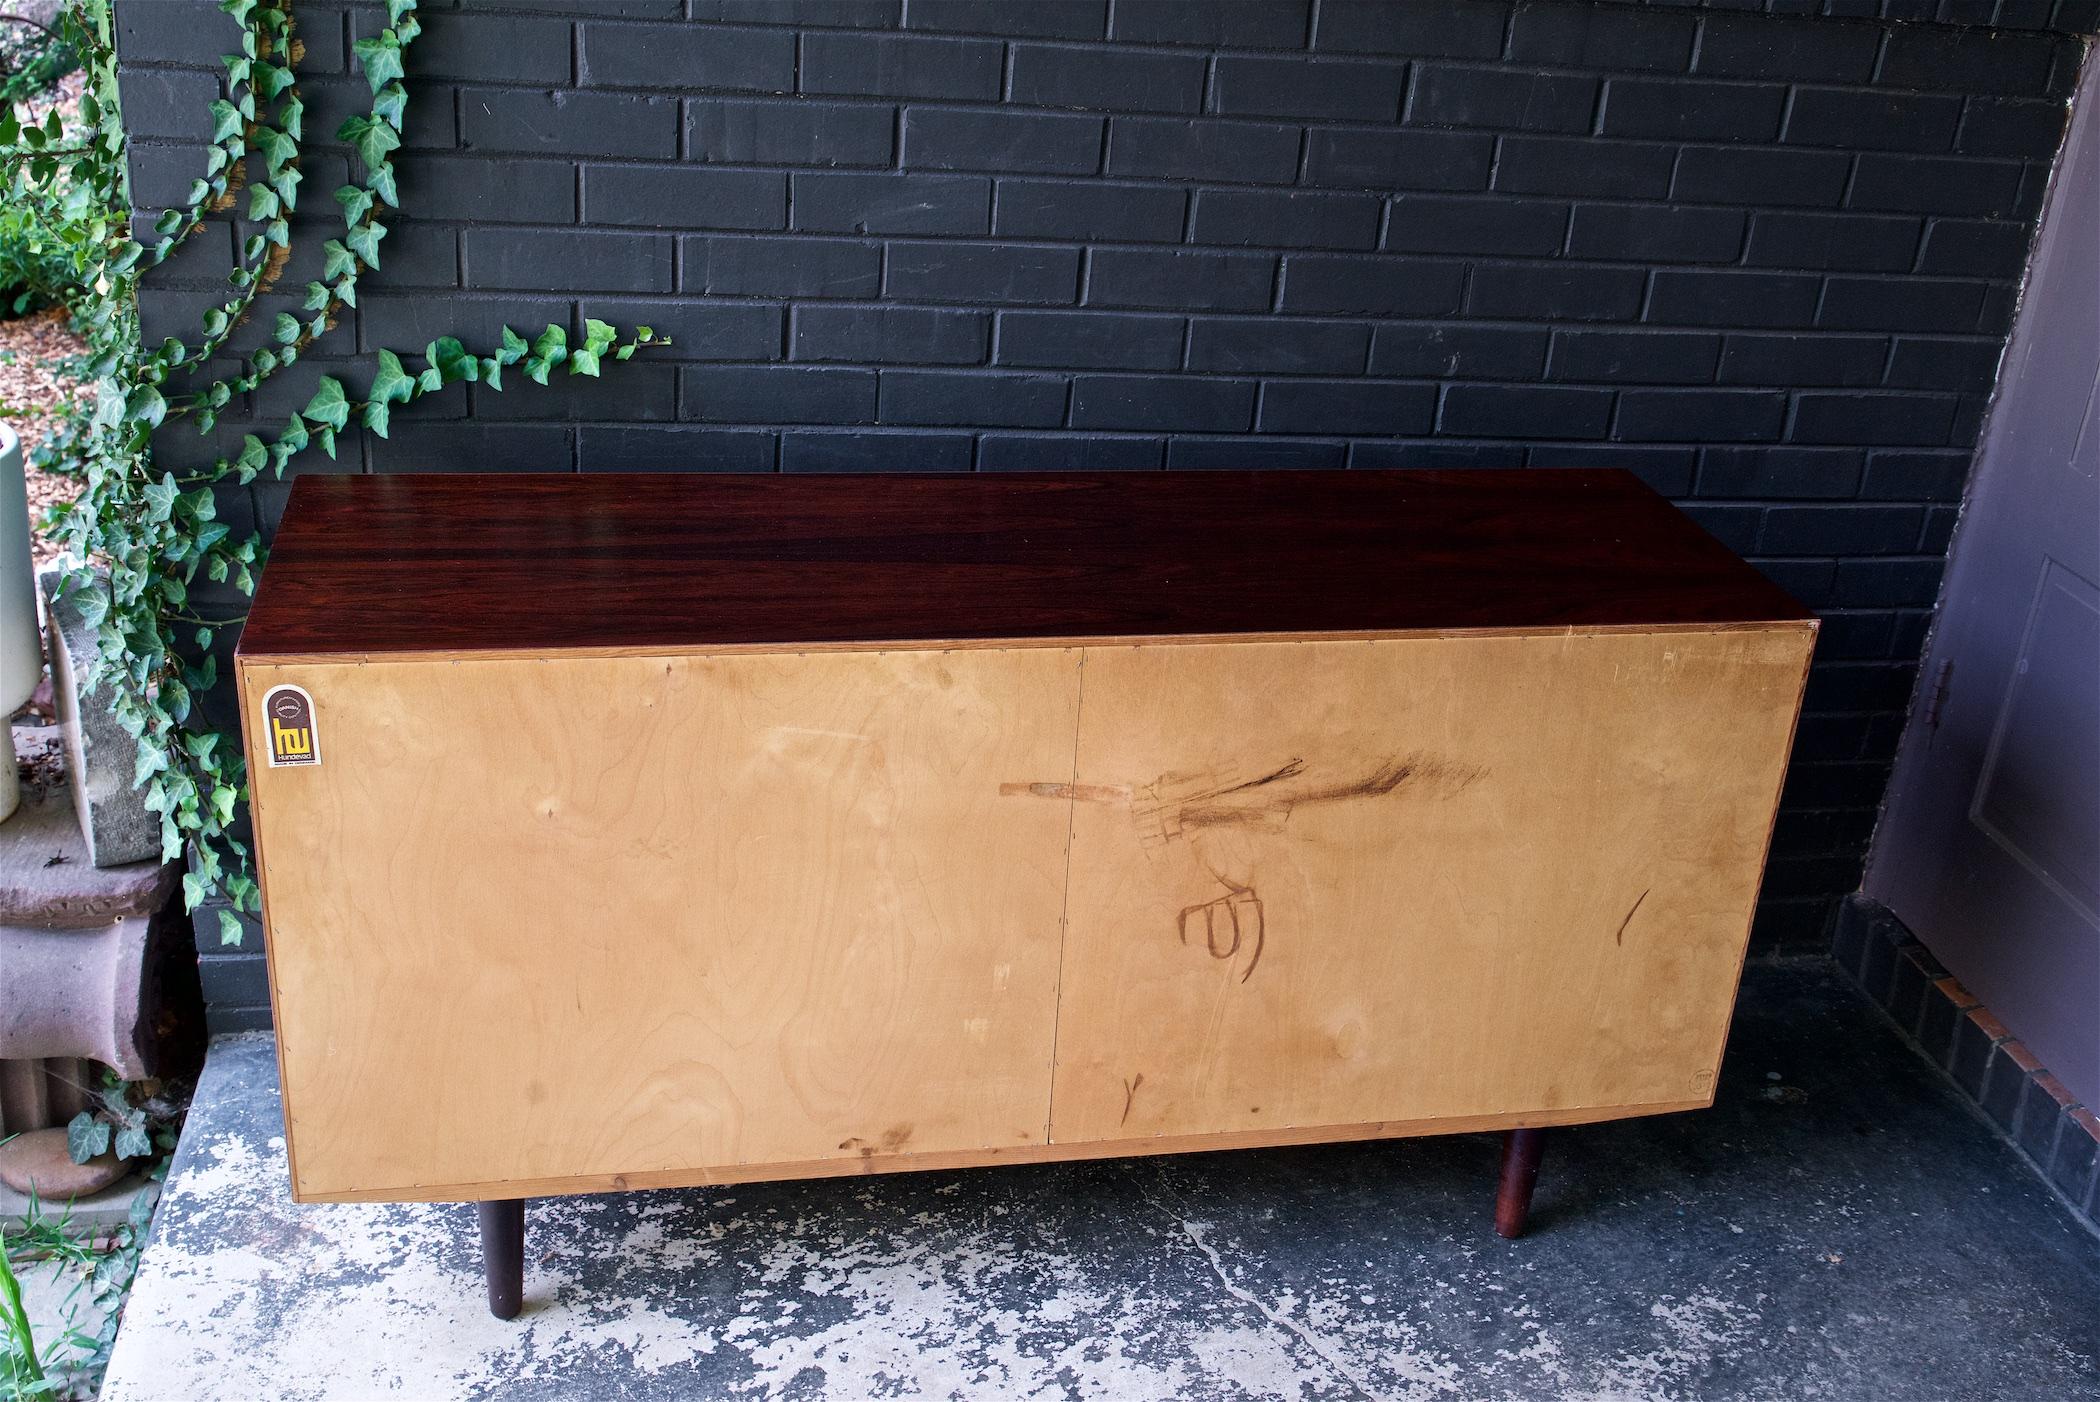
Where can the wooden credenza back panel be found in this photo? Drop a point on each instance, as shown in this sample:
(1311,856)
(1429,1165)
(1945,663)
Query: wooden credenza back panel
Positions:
(1401,880)
(989,863)
(585,918)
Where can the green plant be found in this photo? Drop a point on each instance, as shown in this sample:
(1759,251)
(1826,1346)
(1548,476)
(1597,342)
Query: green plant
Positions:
(100,1271)
(33,56)
(35,264)
(154,532)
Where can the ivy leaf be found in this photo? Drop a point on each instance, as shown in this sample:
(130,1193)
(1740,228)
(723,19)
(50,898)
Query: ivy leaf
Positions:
(133,1142)
(514,347)
(492,373)
(229,928)
(372,140)
(376,415)
(160,497)
(86,1137)
(364,242)
(390,105)
(396,10)
(329,407)
(286,329)
(263,202)
(381,179)
(194,890)
(225,120)
(290,442)
(269,80)
(252,457)
(356,203)
(277,148)
(393,384)
(381,57)
(337,261)
(549,349)
(316,297)
(451,359)
(145,404)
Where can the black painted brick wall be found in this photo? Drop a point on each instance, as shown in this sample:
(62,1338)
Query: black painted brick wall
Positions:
(1764,254)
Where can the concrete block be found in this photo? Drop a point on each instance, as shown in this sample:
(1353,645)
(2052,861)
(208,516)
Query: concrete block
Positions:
(99,755)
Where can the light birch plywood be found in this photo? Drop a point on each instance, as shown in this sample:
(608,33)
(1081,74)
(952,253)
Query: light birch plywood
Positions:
(593,922)
(1412,880)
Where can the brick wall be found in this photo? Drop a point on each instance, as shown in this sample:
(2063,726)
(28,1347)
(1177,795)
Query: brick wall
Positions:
(1767,260)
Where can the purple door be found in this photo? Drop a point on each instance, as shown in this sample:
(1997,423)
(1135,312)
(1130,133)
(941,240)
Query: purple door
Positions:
(1990,846)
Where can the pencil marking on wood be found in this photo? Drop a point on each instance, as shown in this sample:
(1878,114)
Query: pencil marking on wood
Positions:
(1085,793)
(1620,937)
(1175,804)
(1241,925)
(1130,1090)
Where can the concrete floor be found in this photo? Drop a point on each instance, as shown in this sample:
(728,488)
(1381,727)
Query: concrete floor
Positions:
(1840,1225)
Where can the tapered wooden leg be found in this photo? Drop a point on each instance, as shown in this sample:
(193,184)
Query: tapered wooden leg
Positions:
(503,1255)
(1520,1174)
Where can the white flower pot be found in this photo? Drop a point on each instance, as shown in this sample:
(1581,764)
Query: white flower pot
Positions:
(21,656)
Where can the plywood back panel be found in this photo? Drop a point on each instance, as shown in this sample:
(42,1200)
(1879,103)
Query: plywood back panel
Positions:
(1329,883)
(578,919)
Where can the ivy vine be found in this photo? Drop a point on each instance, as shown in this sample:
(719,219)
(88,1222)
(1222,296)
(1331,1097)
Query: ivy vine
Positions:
(138,538)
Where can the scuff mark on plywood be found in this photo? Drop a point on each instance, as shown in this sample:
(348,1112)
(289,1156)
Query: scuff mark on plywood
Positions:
(1177,804)
(1620,937)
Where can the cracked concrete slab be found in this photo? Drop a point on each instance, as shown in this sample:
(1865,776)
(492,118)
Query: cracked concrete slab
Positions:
(1840,1225)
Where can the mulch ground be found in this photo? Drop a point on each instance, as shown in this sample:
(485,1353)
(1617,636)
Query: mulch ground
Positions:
(33,395)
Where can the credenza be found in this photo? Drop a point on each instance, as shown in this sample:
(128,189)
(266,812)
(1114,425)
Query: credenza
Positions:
(635,831)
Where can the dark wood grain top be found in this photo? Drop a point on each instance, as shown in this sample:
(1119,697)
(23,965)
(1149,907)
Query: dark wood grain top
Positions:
(450,563)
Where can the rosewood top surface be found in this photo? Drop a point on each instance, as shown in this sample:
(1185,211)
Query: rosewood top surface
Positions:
(539,562)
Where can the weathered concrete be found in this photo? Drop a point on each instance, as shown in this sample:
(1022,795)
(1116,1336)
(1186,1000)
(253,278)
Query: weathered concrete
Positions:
(47,874)
(1840,1225)
(113,815)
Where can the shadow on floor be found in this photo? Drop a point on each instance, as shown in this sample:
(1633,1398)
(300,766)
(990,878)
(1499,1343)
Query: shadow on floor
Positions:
(1839,1225)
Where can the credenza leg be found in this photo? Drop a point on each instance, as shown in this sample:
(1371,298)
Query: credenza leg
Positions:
(503,1255)
(1520,1174)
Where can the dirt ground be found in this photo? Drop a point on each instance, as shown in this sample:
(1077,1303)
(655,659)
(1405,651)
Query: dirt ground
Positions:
(32,391)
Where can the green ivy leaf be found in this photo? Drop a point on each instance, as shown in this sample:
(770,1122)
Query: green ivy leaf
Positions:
(381,179)
(372,140)
(316,297)
(376,415)
(397,10)
(225,120)
(263,202)
(337,261)
(229,928)
(134,1143)
(86,1137)
(160,497)
(364,242)
(329,406)
(392,384)
(514,347)
(451,359)
(145,405)
(381,57)
(390,105)
(285,330)
(356,203)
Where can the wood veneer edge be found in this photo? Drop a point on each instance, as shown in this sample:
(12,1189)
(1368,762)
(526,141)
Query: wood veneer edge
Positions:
(1812,627)
(330,659)
(1282,1137)
(262,881)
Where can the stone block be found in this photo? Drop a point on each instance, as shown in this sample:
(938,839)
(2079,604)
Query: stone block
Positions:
(99,755)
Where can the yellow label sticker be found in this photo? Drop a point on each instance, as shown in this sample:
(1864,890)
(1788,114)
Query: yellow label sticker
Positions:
(288,719)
